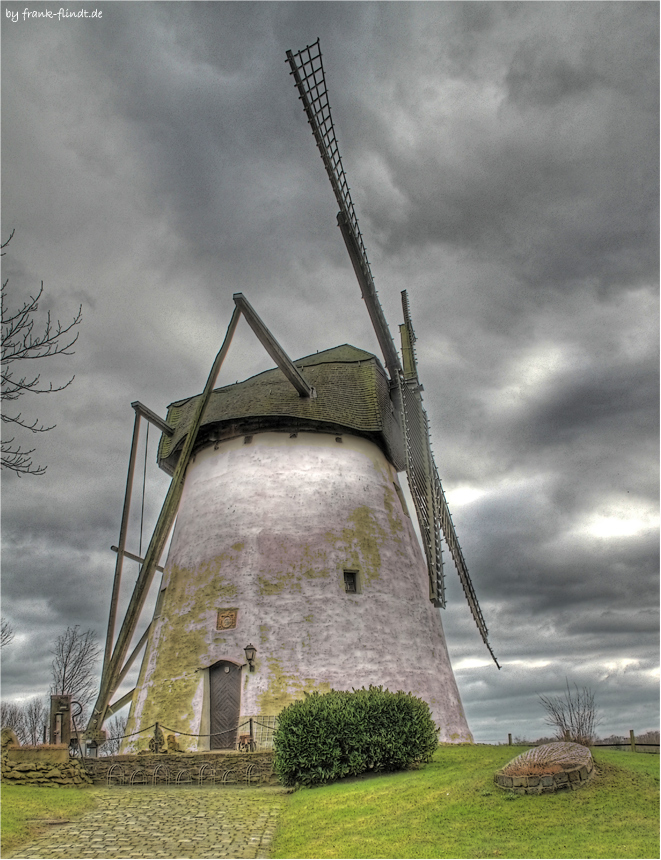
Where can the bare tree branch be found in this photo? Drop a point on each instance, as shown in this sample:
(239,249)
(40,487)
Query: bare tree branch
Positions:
(7,633)
(116,728)
(12,717)
(74,667)
(36,717)
(20,343)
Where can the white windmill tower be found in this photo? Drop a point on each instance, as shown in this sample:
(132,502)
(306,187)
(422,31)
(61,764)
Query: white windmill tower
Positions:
(294,565)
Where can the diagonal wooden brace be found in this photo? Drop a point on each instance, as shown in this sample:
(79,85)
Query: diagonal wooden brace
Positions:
(110,677)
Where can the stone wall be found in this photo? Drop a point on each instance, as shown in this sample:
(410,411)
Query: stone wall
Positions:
(571,779)
(48,753)
(46,768)
(204,768)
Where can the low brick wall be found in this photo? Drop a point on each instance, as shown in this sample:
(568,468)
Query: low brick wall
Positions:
(203,768)
(571,779)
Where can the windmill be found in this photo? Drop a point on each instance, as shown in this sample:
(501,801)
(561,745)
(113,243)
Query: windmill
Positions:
(292,531)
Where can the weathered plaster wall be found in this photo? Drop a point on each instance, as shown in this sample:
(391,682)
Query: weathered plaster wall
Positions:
(267,529)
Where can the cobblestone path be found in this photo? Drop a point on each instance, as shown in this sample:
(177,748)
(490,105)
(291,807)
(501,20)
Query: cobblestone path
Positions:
(174,822)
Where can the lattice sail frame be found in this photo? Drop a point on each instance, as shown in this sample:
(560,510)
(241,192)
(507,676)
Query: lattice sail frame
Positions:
(308,71)
(425,483)
(428,496)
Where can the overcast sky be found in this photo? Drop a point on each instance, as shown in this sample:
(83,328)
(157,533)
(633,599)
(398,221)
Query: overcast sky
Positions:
(503,160)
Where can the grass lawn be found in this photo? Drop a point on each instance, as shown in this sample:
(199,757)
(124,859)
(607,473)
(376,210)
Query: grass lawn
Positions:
(451,808)
(23,804)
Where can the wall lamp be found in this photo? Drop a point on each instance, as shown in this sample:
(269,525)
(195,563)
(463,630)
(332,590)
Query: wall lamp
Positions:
(250,656)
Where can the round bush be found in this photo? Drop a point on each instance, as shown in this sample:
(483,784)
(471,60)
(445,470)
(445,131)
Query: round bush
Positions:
(331,735)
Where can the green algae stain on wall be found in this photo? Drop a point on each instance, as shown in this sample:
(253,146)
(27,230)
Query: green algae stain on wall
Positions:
(210,591)
(284,688)
(181,638)
(277,583)
(391,505)
(368,534)
(174,682)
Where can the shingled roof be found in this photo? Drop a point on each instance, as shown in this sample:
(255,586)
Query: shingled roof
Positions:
(353,395)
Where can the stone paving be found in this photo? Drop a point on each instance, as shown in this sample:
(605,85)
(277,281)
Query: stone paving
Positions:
(171,822)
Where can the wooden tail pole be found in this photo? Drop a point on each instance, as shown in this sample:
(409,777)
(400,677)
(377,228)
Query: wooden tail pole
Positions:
(110,678)
(122,544)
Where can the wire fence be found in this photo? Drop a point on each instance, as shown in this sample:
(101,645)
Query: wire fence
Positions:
(262,728)
(632,743)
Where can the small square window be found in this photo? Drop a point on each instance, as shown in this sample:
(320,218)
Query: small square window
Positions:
(351,581)
(247,440)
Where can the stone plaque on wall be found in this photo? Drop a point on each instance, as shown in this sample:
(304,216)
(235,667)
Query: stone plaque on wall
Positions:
(226,619)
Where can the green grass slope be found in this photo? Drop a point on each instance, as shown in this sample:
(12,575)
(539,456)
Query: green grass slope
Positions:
(451,808)
(24,808)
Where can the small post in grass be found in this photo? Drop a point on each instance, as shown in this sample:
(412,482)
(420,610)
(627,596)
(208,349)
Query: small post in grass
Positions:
(632,739)
(509,739)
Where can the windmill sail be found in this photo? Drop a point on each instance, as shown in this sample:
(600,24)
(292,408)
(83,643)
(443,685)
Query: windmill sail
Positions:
(428,496)
(308,71)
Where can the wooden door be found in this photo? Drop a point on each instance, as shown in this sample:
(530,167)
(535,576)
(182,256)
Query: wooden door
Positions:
(225,699)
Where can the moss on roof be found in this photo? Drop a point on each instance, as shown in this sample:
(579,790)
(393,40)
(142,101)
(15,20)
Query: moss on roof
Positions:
(352,392)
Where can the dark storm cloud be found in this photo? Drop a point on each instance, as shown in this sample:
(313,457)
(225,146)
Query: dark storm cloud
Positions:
(555,156)
(503,159)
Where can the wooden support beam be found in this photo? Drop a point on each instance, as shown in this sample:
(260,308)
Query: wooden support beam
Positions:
(131,659)
(109,681)
(112,617)
(153,418)
(135,557)
(119,704)
(273,348)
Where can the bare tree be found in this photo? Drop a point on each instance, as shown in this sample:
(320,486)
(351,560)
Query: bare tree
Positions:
(116,729)
(12,716)
(7,633)
(36,715)
(74,667)
(21,344)
(649,737)
(573,714)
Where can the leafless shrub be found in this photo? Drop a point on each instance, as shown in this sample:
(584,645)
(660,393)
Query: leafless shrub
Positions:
(573,715)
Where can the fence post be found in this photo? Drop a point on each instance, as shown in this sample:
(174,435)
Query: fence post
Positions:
(509,739)
(566,734)
(632,740)
(252,736)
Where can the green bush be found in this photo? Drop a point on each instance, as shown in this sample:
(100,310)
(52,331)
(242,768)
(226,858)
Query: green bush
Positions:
(332,735)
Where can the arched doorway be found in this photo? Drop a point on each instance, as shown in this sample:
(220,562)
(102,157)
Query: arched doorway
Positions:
(225,704)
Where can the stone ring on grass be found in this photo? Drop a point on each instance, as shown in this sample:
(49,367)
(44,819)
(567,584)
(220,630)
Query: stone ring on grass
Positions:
(547,768)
